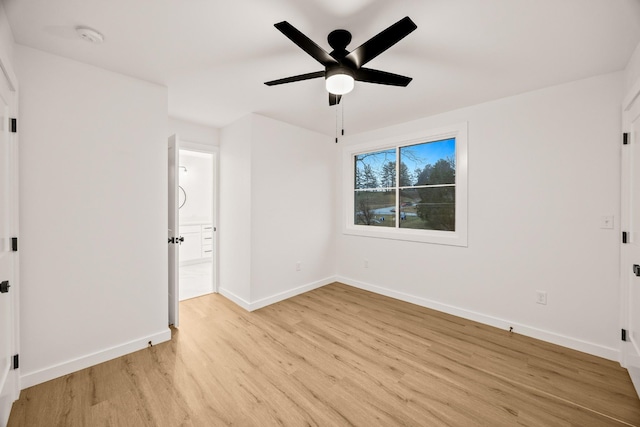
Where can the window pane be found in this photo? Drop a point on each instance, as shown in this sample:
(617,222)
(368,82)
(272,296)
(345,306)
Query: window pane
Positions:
(428,208)
(375,208)
(376,169)
(430,163)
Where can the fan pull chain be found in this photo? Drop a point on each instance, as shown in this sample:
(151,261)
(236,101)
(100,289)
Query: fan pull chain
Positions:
(336,123)
(340,120)
(343,116)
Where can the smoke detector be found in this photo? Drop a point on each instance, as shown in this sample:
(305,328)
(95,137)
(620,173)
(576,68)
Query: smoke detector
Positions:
(90,35)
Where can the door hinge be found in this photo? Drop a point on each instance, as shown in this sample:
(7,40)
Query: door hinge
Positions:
(14,244)
(16,361)
(625,237)
(4,287)
(13,126)
(636,269)
(625,138)
(624,335)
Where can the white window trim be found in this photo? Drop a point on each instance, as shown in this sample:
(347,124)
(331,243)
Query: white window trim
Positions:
(455,238)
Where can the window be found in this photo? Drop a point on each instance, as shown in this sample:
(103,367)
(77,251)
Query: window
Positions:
(411,188)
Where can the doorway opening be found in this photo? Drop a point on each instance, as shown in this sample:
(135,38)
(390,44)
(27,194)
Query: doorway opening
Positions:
(196,213)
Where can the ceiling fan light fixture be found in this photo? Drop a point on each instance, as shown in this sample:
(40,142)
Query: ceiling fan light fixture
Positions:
(340,81)
(341,67)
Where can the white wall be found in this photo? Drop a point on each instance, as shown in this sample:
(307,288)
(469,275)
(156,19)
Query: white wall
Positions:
(197,183)
(234,232)
(293,201)
(6,43)
(276,209)
(93,173)
(193,132)
(632,71)
(543,168)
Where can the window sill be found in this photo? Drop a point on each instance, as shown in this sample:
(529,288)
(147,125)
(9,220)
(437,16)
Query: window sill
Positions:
(410,235)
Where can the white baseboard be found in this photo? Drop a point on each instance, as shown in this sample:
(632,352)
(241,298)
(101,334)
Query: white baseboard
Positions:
(263,302)
(255,305)
(33,378)
(235,298)
(551,337)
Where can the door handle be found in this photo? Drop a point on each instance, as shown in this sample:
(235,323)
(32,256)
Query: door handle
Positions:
(4,287)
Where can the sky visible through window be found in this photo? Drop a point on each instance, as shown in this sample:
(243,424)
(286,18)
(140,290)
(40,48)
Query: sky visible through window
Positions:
(428,154)
(378,168)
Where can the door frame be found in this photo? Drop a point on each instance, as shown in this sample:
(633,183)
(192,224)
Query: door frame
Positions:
(630,108)
(13,377)
(215,152)
(173,249)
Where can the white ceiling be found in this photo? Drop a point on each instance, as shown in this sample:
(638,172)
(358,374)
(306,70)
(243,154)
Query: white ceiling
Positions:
(215,55)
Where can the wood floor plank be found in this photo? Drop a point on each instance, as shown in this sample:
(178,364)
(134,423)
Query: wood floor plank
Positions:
(336,356)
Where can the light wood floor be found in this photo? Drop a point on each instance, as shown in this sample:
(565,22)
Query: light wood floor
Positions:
(331,357)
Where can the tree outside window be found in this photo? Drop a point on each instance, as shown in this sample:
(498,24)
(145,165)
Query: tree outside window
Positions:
(412,186)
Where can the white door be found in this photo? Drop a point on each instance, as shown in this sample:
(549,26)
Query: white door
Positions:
(631,249)
(8,259)
(174,243)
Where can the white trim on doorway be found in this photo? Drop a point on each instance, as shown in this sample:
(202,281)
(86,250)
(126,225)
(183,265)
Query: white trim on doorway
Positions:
(629,353)
(215,152)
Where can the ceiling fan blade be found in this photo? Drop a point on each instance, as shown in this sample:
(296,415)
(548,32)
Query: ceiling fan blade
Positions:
(305,43)
(381,42)
(334,99)
(381,77)
(296,78)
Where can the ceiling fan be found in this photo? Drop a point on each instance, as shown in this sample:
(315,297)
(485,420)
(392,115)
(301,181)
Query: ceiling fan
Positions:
(343,67)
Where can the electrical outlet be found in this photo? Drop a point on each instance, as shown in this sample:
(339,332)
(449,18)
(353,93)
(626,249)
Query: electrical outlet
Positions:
(298,266)
(541,297)
(366,263)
